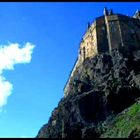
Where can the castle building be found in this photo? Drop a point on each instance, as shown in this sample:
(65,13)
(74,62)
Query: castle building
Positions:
(106,33)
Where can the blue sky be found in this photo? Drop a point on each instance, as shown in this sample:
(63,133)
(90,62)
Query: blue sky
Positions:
(54,31)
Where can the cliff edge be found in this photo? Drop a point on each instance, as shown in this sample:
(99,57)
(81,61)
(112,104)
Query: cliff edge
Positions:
(103,100)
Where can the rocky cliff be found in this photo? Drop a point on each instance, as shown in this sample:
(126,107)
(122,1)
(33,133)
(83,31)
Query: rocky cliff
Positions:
(103,101)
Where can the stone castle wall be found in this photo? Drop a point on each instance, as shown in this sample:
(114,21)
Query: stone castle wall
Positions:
(106,33)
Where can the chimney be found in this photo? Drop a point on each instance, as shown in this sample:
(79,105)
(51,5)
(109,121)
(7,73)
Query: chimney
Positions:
(105,11)
(111,12)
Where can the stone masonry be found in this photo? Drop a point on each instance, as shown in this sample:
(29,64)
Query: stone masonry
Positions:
(106,33)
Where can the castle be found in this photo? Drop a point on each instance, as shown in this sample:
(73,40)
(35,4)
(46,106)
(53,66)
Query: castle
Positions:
(106,33)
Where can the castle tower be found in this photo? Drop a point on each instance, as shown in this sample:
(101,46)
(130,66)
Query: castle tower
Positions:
(106,33)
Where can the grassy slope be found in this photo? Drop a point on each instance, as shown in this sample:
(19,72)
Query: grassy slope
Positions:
(126,124)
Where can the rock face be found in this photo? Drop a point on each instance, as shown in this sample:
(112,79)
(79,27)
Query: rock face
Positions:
(102,88)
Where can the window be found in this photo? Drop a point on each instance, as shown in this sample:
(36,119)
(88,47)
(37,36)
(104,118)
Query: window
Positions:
(84,53)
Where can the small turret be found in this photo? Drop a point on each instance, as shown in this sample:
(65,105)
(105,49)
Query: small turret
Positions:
(105,11)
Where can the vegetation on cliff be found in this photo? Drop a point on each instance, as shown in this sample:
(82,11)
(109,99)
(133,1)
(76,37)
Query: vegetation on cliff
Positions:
(125,124)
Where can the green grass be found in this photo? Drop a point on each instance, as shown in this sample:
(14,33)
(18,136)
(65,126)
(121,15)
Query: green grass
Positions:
(124,123)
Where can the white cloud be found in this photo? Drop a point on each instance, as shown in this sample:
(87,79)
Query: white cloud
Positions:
(10,55)
(5,90)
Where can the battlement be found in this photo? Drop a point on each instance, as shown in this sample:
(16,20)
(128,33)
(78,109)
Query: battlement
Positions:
(106,33)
